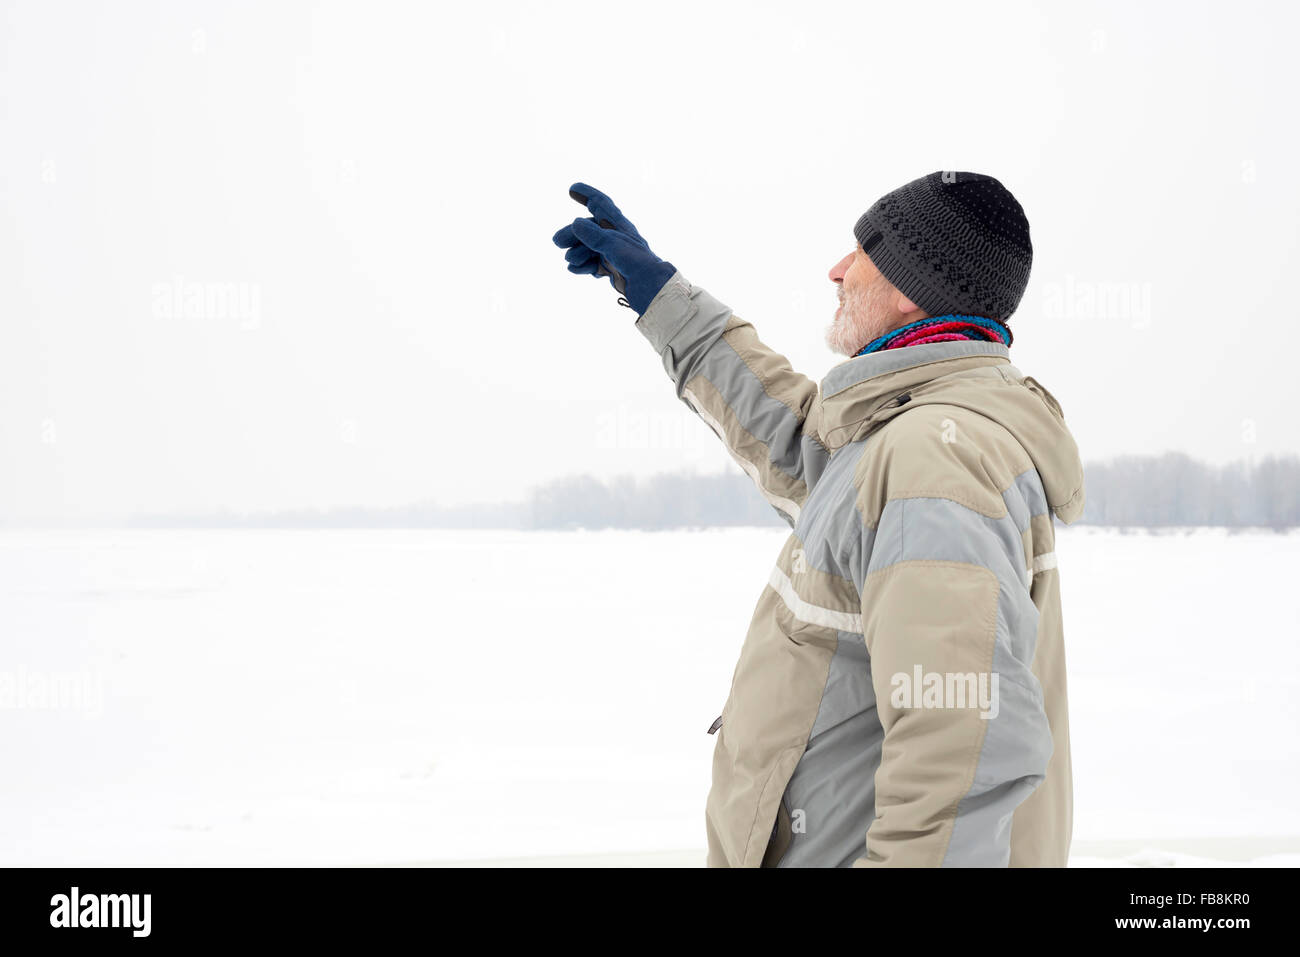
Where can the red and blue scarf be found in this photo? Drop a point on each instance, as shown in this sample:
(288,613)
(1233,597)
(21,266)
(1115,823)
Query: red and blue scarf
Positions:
(940,329)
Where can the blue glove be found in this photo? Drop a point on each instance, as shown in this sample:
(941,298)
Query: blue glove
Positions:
(607,244)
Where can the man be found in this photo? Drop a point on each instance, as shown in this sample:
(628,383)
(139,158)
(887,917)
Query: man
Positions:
(900,698)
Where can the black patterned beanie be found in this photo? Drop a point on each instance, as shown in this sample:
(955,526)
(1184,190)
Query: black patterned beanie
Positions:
(953,243)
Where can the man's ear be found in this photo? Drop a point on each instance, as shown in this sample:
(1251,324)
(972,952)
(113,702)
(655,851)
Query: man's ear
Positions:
(905,306)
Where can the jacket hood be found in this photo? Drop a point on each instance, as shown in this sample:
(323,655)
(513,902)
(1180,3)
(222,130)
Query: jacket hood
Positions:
(862,393)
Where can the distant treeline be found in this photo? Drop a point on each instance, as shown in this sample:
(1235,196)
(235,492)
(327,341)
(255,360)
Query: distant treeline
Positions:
(1175,489)
(1131,491)
(580,501)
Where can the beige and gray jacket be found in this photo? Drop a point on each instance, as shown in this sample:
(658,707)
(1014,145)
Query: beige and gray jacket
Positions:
(900,697)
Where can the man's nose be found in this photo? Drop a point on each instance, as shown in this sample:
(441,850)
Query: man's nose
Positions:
(840,268)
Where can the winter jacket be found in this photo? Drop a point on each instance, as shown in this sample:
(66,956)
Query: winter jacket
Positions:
(920,485)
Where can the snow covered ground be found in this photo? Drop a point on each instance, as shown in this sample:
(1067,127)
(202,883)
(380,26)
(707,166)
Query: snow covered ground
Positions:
(407,697)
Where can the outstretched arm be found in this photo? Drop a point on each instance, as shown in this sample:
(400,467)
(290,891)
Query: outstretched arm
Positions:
(764,412)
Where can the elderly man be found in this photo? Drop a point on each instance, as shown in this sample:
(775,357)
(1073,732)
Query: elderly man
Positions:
(900,698)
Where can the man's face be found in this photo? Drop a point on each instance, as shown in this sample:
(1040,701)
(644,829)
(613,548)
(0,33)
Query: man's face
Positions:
(868,306)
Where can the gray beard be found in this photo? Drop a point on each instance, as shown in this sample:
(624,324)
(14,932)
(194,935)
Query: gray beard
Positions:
(856,323)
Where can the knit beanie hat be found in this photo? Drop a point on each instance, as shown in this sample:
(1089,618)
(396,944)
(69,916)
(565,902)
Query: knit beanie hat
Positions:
(952,243)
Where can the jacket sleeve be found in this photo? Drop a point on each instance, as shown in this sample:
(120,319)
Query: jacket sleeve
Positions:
(950,628)
(764,412)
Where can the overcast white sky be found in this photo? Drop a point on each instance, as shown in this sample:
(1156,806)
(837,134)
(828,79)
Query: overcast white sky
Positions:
(377,185)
